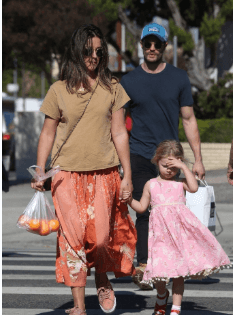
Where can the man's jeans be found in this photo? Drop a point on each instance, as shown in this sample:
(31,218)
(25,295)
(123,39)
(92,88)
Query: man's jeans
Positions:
(142,171)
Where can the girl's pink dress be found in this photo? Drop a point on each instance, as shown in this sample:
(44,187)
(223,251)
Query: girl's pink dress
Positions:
(178,243)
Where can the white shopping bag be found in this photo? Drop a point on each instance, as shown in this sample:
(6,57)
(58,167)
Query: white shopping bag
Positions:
(202,204)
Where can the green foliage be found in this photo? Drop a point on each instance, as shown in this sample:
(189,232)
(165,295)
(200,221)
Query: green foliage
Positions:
(217,102)
(108,7)
(32,83)
(211,29)
(184,38)
(227,9)
(211,130)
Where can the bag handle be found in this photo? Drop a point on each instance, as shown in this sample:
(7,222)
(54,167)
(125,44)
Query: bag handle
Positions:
(59,150)
(203,181)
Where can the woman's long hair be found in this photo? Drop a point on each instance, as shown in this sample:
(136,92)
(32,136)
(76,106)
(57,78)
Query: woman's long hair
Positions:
(74,70)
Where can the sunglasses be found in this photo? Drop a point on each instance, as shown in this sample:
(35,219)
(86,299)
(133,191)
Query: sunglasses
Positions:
(158,45)
(89,51)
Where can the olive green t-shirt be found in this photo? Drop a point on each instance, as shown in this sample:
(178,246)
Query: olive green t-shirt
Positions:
(90,146)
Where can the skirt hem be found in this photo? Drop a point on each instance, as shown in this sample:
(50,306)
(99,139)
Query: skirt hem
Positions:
(199,275)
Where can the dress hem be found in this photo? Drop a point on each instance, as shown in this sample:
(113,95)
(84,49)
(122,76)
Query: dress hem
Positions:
(199,275)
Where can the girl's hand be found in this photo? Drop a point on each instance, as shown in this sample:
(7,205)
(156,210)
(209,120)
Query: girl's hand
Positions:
(37,185)
(126,186)
(174,162)
(127,195)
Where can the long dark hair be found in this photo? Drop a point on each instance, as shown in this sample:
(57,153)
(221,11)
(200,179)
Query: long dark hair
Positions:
(74,70)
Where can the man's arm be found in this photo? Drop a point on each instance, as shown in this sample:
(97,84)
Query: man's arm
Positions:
(192,134)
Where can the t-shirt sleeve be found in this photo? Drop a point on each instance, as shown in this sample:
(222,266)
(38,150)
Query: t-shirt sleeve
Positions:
(120,98)
(50,105)
(185,96)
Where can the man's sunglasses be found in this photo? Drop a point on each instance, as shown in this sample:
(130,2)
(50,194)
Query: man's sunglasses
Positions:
(158,45)
(89,51)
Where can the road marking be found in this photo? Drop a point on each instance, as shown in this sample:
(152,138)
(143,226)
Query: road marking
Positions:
(123,291)
(31,311)
(29,259)
(13,253)
(23,268)
(92,277)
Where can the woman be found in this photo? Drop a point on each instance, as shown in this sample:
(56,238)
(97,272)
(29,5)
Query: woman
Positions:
(95,228)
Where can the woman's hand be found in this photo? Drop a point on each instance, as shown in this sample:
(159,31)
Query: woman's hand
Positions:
(37,185)
(125,189)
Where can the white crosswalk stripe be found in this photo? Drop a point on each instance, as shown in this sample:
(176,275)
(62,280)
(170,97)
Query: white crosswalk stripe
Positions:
(25,273)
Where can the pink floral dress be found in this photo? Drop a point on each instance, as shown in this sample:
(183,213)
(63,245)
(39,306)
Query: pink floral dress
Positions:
(178,243)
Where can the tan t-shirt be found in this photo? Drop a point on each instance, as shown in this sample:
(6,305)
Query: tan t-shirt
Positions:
(90,146)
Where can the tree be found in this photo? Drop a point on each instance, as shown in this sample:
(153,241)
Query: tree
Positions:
(209,15)
(37,32)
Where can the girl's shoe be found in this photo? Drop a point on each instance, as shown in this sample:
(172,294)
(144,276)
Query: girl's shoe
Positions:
(161,309)
(76,311)
(175,311)
(105,293)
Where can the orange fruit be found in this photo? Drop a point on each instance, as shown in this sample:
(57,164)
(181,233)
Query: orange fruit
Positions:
(44,228)
(54,225)
(23,220)
(34,224)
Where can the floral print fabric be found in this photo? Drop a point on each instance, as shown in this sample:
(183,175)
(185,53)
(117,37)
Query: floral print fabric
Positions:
(178,243)
(96,229)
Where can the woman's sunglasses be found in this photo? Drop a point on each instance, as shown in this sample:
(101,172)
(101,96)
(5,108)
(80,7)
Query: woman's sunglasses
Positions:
(158,45)
(89,51)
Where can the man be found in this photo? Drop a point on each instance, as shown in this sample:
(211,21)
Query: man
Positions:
(159,93)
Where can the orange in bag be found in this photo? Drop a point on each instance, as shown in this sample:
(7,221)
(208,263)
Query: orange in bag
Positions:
(44,228)
(54,225)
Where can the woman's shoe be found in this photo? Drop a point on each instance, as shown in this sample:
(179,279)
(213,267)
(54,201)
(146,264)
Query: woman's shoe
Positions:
(76,311)
(105,293)
(107,299)
(161,309)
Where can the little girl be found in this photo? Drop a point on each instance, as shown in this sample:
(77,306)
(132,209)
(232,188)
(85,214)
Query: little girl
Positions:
(179,245)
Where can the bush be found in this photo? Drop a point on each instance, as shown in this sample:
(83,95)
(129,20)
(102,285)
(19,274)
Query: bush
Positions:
(211,130)
(217,102)
(184,38)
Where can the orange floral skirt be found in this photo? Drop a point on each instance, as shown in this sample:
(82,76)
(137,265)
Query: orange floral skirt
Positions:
(96,229)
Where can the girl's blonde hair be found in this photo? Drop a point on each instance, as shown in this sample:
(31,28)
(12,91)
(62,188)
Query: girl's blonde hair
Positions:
(167,148)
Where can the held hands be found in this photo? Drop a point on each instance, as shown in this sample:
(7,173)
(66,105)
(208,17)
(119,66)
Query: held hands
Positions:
(127,196)
(125,190)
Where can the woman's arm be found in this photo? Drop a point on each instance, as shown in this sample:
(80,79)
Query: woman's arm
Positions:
(142,205)
(121,140)
(45,146)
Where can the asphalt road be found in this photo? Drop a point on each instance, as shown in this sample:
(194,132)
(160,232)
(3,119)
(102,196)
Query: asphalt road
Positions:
(29,285)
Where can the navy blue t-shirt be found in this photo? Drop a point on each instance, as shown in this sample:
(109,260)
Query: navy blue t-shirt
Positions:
(155,104)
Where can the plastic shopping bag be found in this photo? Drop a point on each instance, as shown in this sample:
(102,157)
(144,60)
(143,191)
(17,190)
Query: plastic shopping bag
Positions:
(202,204)
(39,217)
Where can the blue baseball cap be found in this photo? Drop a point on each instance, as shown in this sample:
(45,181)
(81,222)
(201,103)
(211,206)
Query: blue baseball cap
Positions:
(156,30)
